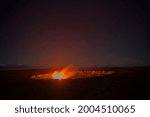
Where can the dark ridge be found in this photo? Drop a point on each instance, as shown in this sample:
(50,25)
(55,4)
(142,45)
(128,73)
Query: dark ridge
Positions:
(125,83)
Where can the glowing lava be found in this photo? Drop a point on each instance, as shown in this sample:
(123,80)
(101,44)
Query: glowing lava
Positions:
(58,75)
(65,73)
(68,72)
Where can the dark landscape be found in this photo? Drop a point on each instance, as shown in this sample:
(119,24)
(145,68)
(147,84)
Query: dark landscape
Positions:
(125,83)
(36,35)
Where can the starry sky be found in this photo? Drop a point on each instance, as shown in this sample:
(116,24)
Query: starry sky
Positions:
(102,33)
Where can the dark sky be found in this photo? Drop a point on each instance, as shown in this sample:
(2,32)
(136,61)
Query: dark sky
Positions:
(84,33)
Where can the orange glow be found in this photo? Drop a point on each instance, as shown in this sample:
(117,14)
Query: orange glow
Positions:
(58,75)
(68,72)
(65,73)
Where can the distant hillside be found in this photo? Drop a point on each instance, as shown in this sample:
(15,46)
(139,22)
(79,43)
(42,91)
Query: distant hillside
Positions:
(17,67)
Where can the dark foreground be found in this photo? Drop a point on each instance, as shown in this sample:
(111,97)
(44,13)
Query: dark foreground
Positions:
(125,83)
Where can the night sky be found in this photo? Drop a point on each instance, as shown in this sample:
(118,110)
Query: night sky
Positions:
(102,33)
